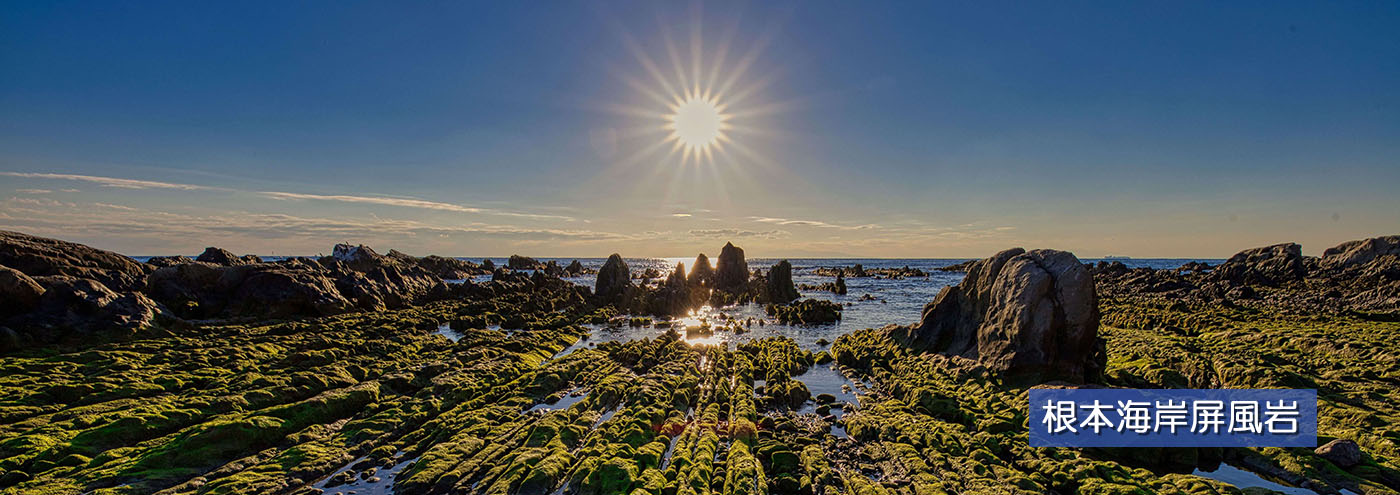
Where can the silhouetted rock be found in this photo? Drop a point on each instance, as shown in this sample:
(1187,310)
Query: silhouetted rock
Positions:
(780,288)
(41,257)
(731,272)
(840,284)
(488,265)
(1030,315)
(518,262)
(1269,265)
(613,279)
(18,292)
(701,275)
(574,269)
(223,257)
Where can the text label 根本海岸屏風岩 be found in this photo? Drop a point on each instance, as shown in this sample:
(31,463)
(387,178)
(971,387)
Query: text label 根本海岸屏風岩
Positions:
(1173,418)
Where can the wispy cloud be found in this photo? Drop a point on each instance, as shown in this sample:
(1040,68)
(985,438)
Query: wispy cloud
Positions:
(736,233)
(344,198)
(812,223)
(110,181)
(410,203)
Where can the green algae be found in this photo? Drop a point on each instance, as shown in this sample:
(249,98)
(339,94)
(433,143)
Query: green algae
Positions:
(274,408)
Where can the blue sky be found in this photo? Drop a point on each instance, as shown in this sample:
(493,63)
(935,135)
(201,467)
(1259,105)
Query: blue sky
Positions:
(899,129)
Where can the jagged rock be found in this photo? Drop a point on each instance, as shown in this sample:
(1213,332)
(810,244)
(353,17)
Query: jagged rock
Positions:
(356,254)
(780,288)
(1343,453)
(40,257)
(673,295)
(840,284)
(731,272)
(488,265)
(1360,252)
(223,257)
(518,262)
(649,273)
(701,275)
(574,269)
(1269,265)
(613,279)
(552,269)
(1030,315)
(18,292)
(164,261)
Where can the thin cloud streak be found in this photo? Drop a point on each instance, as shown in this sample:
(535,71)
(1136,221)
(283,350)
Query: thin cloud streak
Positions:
(111,181)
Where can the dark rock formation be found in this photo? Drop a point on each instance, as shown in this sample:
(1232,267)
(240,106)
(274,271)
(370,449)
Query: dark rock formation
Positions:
(960,267)
(840,284)
(518,262)
(18,292)
(552,269)
(1031,315)
(673,297)
(574,269)
(613,279)
(357,255)
(488,265)
(1269,265)
(1357,253)
(780,288)
(1343,453)
(807,311)
(443,267)
(72,304)
(164,261)
(701,275)
(731,272)
(41,257)
(223,257)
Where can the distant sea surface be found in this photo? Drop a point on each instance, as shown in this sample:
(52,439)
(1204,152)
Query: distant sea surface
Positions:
(897,301)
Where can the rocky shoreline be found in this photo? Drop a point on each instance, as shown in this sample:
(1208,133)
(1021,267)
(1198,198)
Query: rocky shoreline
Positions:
(229,374)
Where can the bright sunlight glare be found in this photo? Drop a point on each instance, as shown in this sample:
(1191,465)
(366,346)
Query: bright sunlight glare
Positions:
(697,123)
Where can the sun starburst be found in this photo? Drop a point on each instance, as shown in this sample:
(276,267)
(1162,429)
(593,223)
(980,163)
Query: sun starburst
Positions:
(697,122)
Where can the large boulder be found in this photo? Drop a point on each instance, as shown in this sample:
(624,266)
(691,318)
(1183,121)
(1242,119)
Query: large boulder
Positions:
(164,261)
(731,272)
(574,269)
(18,292)
(359,255)
(613,278)
(701,275)
(1269,265)
(780,288)
(42,257)
(1031,315)
(518,262)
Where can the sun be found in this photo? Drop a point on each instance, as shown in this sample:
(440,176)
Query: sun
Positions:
(697,123)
